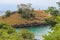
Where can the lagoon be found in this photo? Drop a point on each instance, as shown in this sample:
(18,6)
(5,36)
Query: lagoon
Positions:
(38,31)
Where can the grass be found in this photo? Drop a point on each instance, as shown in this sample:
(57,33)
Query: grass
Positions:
(17,19)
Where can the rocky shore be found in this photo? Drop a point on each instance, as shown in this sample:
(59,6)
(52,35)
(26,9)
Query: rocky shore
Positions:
(28,25)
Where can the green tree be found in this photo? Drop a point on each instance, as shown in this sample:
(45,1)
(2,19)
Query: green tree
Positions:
(54,35)
(8,13)
(26,11)
(53,11)
(58,4)
(57,19)
(27,35)
(9,33)
(51,22)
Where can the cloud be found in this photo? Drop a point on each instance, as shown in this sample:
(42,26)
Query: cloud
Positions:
(25,1)
(59,0)
(17,1)
(10,4)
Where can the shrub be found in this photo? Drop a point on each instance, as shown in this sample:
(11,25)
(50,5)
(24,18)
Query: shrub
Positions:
(9,33)
(26,11)
(54,35)
(27,35)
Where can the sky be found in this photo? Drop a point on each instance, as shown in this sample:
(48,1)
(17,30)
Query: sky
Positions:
(12,4)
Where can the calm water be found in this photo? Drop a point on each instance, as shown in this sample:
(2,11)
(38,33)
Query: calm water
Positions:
(38,31)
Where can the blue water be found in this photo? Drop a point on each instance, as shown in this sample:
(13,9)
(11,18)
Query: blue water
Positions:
(38,31)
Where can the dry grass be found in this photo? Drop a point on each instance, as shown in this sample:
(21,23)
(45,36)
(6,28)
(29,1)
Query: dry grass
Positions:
(17,19)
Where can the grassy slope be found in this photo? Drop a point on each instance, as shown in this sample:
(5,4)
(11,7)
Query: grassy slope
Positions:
(17,19)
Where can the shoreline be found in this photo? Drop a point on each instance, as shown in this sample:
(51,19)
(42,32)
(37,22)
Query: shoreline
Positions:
(29,25)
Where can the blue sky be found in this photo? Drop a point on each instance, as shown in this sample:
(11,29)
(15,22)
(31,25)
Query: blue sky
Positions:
(12,4)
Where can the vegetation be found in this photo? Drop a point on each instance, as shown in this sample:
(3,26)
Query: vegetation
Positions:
(7,14)
(26,11)
(9,33)
(53,11)
(51,22)
(27,35)
(57,19)
(55,33)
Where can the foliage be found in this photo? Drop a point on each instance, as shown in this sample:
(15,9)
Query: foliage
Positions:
(54,35)
(7,14)
(26,11)
(58,4)
(50,22)
(27,35)
(20,10)
(9,33)
(57,19)
(53,11)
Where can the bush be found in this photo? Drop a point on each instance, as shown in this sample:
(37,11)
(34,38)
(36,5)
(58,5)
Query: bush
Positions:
(27,35)
(9,33)
(19,10)
(7,14)
(54,35)
(26,11)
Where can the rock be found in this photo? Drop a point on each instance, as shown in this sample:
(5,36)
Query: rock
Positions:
(27,25)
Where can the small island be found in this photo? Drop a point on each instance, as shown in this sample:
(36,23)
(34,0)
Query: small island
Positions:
(25,16)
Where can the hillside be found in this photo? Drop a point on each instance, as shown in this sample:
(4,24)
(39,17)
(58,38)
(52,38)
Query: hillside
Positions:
(16,19)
